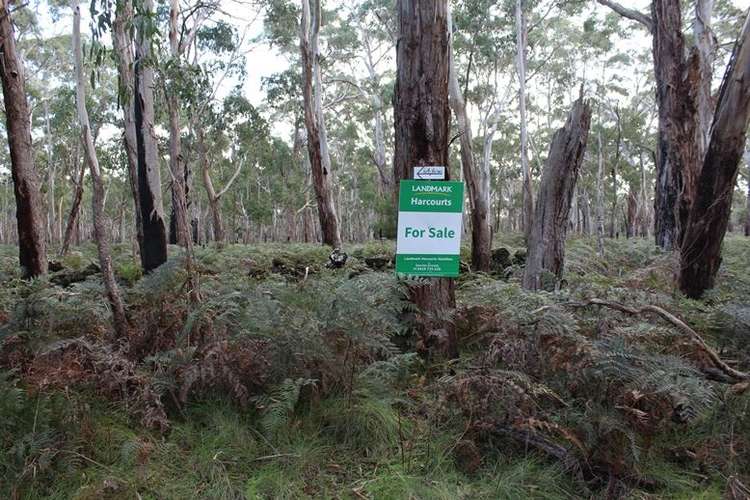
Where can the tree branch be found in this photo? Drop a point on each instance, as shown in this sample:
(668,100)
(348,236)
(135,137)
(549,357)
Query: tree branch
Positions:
(630,14)
(670,318)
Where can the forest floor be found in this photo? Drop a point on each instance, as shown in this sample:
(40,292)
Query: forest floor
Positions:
(290,380)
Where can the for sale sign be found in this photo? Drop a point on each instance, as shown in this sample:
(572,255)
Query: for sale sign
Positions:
(429,228)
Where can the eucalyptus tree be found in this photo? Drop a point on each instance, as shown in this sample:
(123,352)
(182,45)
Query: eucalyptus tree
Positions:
(98,199)
(710,212)
(522,37)
(29,208)
(184,26)
(317,140)
(422,127)
(683,81)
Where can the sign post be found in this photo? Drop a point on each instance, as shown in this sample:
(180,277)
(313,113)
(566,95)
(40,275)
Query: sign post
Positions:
(430,216)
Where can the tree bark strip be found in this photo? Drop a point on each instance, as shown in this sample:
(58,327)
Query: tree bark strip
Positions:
(32,248)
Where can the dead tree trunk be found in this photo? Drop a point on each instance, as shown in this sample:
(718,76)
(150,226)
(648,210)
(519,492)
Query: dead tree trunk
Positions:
(422,126)
(154,251)
(709,217)
(477,180)
(317,143)
(123,49)
(527,193)
(32,248)
(546,246)
(102,243)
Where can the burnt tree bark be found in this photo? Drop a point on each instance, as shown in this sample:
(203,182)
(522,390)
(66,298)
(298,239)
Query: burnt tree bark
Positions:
(317,143)
(154,249)
(709,217)
(123,49)
(477,180)
(32,248)
(422,126)
(546,246)
(97,200)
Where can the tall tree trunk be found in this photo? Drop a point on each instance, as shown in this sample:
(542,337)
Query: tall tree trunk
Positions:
(102,244)
(477,181)
(32,247)
(379,156)
(123,48)
(705,50)
(709,217)
(75,207)
(527,196)
(747,216)
(214,197)
(678,161)
(631,219)
(600,196)
(422,125)
(546,246)
(154,251)
(317,144)
(683,97)
(179,225)
(51,178)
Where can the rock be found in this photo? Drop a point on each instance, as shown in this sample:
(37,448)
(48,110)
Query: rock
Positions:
(519,258)
(337,259)
(378,263)
(67,278)
(55,266)
(500,259)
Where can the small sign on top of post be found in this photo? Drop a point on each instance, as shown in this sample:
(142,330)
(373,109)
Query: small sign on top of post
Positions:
(429,173)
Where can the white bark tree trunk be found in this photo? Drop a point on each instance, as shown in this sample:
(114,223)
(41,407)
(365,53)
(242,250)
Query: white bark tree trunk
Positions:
(99,218)
(521,35)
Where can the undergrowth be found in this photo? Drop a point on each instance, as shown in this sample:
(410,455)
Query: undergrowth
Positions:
(291,380)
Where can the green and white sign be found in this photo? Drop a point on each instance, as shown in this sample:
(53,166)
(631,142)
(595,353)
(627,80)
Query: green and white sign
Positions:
(430,215)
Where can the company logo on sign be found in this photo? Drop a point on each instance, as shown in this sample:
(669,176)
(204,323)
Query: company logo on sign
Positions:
(432,173)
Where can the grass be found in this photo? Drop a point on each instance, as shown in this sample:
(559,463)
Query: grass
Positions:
(350,423)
